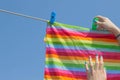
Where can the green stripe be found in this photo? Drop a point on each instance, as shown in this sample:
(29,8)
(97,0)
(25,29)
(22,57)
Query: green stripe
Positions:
(78,61)
(71,26)
(80,44)
(62,64)
(64,40)
(77,28)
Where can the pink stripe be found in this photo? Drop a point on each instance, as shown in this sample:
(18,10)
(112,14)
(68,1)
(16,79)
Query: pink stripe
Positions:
(83,53)
(66,73)
(113,76)
(63,32)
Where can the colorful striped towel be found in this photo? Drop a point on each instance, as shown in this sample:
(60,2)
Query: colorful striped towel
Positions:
(68,46)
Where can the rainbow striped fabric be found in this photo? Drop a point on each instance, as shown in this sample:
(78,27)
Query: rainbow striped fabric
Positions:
(68,47)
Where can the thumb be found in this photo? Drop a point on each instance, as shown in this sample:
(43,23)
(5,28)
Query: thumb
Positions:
(99,23)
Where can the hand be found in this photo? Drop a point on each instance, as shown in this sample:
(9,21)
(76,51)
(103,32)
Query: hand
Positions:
(105,23)
(97,71)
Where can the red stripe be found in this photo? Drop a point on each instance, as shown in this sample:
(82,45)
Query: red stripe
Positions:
(64,32)
(65,73)
(75,74)
(113,77)
(83,53)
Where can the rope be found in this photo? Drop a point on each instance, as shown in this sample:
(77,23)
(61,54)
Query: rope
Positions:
(23,15)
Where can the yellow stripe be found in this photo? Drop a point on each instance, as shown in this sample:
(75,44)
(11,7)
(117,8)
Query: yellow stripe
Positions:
(78,58)
(79,61)
(84,40)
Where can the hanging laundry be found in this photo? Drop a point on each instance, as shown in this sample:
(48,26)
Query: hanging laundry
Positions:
(68,47)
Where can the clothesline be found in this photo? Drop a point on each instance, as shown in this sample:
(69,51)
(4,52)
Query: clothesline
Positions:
(23,15)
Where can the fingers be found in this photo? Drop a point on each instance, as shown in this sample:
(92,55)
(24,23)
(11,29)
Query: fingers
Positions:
(86,66)
(89,70)
(105,74)
(101,65)
(101,18)
(90,62)
(91,65)
(96,62)
(101,22)
(96,72)
(100,25)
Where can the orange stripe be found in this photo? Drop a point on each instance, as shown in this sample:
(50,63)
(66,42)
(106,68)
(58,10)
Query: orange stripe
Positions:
(60,78)
(65,57)
(77,58)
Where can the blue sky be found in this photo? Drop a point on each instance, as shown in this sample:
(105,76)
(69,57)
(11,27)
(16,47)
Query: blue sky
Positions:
(22,49)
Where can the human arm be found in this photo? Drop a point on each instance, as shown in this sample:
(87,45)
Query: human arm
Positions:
(106,23)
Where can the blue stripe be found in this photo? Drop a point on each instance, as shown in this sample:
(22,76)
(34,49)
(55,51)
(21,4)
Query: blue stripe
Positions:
(78,69)
(80,48)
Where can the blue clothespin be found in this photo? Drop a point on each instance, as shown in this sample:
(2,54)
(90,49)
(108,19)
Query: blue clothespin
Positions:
(52,19)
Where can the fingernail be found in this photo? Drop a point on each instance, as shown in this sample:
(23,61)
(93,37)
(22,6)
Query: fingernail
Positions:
(96,57)
(101,58)
(95,20)
(90,57)
(105,68)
